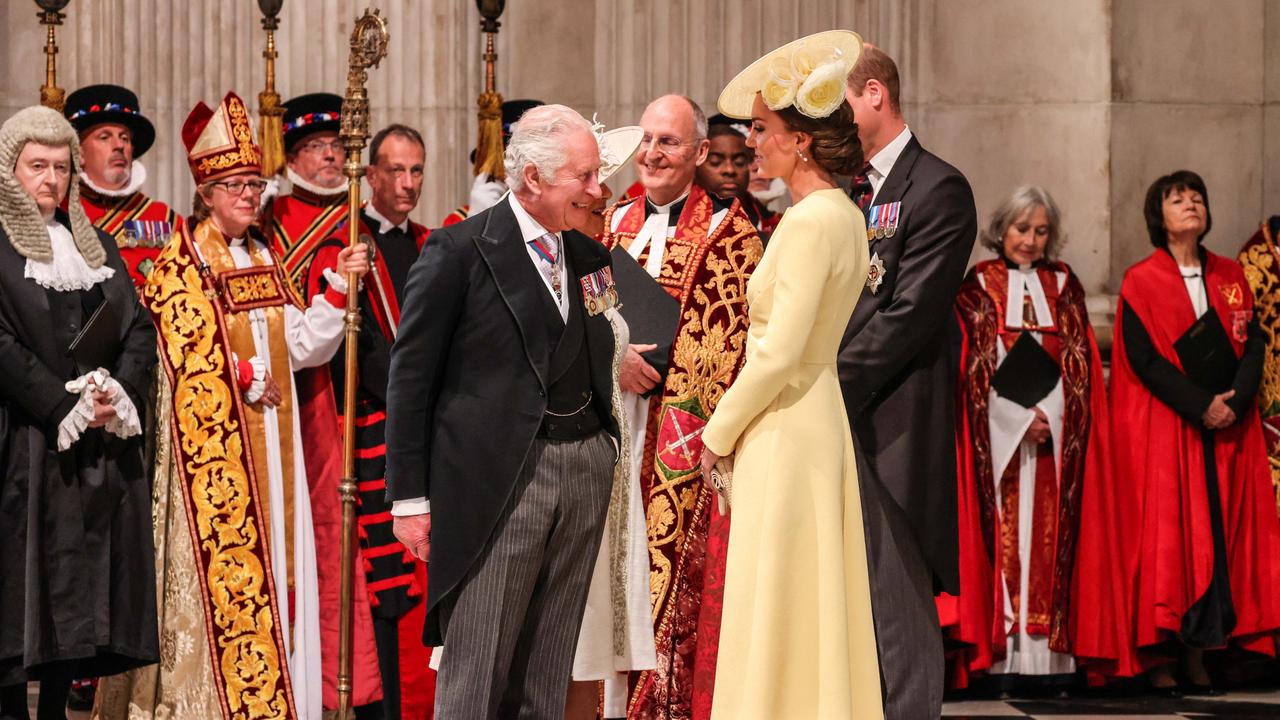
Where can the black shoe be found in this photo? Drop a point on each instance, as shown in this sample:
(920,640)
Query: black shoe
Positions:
(80,698)
(1173,692)
(1209,690)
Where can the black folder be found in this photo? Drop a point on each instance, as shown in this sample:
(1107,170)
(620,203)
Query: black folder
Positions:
(1027,374)
(652,314)
(97,345)
(1206,354)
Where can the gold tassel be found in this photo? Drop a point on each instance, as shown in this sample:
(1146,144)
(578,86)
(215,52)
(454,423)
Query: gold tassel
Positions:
(489,147)
(271,133)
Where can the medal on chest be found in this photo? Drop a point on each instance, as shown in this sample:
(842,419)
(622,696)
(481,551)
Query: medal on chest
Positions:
(875,273)
(882,221)
(598,291)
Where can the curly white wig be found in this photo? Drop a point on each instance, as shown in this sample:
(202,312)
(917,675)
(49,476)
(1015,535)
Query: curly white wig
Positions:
(19,214)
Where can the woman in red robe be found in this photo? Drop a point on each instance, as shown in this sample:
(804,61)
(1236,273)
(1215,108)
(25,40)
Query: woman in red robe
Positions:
(1202,542)
(1033,462)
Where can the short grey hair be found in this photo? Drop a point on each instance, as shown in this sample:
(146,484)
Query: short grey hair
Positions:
(1027,197)
(535,140)
(699,119)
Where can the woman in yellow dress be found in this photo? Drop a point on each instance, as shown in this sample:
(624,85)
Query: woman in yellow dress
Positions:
(797,638)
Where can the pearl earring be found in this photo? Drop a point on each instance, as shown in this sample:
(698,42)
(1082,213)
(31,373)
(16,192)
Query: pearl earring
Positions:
(801,155)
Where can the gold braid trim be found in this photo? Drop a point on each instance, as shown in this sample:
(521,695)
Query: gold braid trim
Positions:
(245,643)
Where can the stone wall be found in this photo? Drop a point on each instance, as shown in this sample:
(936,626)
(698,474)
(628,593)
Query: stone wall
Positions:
(1090,98)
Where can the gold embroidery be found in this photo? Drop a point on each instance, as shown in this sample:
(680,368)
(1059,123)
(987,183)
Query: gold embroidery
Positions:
(212,463)
(246,153)
(1259,262)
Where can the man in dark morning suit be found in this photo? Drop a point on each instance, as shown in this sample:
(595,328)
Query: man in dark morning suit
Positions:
(500,437)
(897,379)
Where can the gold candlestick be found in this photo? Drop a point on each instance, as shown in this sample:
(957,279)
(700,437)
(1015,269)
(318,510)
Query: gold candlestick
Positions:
(51,16)
(270,111)
(489,138)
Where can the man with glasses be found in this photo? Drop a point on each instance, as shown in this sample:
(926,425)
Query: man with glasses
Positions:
(114,135)
(701,251)
(317,205)
(246,489)
(396,582)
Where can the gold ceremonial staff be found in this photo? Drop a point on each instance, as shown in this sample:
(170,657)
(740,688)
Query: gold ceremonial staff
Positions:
(51,15)
(368,47)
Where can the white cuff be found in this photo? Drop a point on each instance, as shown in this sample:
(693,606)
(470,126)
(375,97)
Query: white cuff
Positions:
(414,506)
(75,422)
(259,384)
(126,423)
(336,280)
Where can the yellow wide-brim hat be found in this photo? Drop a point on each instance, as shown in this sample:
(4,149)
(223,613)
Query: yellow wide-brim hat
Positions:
(803,73)
(616,148)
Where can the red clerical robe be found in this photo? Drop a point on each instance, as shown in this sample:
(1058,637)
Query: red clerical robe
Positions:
(298,224)
(1071,604)
(140,225)
(1188,500)
(397,582)
(706,268)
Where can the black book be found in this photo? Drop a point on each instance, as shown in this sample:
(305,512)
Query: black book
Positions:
(1206,354)
(1028,372)
(652,314)
(97,345)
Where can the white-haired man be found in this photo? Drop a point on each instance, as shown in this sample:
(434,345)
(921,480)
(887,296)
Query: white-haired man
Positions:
(500,417)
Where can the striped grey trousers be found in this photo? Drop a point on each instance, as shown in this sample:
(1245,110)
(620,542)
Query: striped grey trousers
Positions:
(512,626)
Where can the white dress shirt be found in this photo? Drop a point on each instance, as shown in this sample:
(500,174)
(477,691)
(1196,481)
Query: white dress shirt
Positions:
(884,161)
(530,229)
(384,225)
(1193,278)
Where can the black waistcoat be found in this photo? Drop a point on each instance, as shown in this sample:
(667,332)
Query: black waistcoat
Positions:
(569,370)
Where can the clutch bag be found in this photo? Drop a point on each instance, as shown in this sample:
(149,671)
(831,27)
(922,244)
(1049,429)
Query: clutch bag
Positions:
(722,481)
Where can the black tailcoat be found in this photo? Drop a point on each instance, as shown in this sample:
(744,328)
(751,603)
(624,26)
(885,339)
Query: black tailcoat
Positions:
(895,367)
(468,382)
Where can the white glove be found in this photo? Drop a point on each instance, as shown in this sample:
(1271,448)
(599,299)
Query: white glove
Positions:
(124,425)
(485,193)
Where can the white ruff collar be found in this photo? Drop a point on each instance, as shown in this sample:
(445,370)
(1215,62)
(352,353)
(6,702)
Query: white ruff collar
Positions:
(68,269)
(137,176)
(298,181)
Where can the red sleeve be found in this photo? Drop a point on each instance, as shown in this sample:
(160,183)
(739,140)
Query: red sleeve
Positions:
(244,374)
(326,258)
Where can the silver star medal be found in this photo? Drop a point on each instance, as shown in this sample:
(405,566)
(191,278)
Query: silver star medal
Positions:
(875,274)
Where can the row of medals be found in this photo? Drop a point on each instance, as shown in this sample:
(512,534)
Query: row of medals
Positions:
(881,232)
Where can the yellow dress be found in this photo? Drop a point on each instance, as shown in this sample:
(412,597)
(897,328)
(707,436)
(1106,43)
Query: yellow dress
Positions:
(796,639)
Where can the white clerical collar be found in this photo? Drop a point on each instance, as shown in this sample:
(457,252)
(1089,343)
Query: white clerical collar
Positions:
(884,160)
(530,229)
(384,225)
(298,181)
(137,176)
(657,209)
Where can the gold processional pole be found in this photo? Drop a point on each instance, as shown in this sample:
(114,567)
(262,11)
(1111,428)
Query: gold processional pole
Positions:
(368,47)
(51,16)
(270,111)
(489,139)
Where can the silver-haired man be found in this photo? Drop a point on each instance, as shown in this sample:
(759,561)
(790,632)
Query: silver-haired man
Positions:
(500,417)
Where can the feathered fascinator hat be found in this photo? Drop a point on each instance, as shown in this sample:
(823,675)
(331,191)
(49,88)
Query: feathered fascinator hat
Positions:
(808,74)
